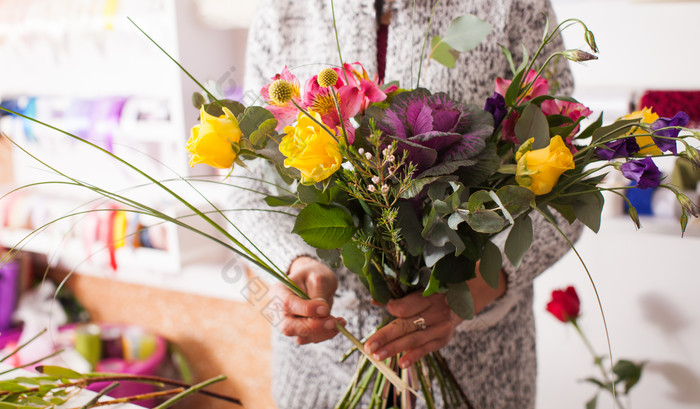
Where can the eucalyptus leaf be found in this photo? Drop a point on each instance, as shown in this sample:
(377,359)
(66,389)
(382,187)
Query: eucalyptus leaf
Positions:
(216,110)
(466,32)
(491,263)
(266,130)
(460,300)
(452,269)
(519,239)
(486,221)
(324,226)
(198,100)
(378,286)
(432,254)
(252,118)
(459,216)
(533,124)
(443,53)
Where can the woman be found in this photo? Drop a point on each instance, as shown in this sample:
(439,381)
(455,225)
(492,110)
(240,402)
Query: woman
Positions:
(492,355)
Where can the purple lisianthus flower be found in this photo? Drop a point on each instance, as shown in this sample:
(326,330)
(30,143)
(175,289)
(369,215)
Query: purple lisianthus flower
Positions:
(496,105)
(643,171)
(680,119)
(620,148)
(439,134)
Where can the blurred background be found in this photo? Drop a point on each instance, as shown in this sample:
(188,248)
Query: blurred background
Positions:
(84,66)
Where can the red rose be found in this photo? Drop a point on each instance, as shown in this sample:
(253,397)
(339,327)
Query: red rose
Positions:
(564,304)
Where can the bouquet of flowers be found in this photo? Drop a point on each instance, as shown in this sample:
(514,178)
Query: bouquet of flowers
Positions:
(403,185)
(407,188)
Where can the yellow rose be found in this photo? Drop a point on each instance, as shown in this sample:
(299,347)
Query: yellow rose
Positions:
(310,149)
(215,140)
(539,169)
(647,116)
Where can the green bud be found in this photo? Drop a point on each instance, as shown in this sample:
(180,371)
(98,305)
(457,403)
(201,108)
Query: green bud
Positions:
(590,40)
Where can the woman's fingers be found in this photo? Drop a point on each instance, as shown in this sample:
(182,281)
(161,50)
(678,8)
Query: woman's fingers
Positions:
(401,337)
(414,304)
(310,330)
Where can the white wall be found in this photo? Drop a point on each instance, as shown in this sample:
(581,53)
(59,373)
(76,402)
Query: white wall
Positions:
(646,279)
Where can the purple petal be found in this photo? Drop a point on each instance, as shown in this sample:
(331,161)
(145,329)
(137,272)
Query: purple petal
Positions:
(644,172)
(680,119)
(621,148)
(496,105)
(466,148)
(418,116)
(393,124)
(446,121)
(436,140)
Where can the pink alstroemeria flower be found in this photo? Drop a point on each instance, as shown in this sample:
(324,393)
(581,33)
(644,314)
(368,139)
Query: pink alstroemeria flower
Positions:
(540,86)
(287,113)
(370,89)
(573,110)
(320,100)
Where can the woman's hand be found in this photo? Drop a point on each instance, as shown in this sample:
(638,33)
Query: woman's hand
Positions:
(425,324)
(406,333)
(308,320)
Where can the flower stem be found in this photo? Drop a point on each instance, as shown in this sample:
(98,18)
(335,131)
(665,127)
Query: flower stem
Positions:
(193,389)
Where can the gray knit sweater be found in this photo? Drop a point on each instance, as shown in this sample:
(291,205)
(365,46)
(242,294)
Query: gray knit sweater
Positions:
(493,355)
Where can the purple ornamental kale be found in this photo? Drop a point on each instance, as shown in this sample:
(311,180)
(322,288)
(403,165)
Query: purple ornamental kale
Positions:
(496,105)
(620,148)
(680,119)
(643,171)
(439,134)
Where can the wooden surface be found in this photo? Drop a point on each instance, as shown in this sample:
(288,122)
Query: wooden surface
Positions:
(216,336)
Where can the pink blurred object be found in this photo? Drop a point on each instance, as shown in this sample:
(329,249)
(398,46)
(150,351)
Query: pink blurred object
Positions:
(9,283)
(148,365)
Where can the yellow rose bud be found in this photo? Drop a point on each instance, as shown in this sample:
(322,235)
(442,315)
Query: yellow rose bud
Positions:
(646,143)
(540,169)
(311,149)
(215,140)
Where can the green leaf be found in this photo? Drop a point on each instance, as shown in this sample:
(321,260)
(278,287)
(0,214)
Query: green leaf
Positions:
(443,53)
(27,380)
(198,100)
(252,119)
(491,263)
(533,124)
(486,221)
(410,227)
(378,286)
(628,372)
(591,404)
(324,226)
(515,199)
(266,129)
(509,57)
(452,269)
(215,109)
(274,201)
(519,240)
(353,257)
(514,88)
(466,32)
(588,132)
(59,372)
(588,208)
(10,386)
(460,300)
(331,257)
(617,128)
(417,185)
(432,287)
